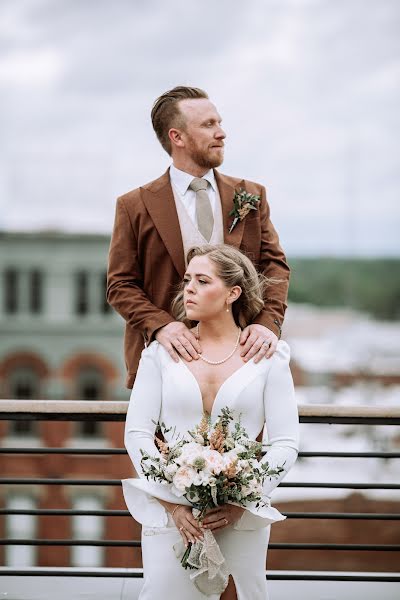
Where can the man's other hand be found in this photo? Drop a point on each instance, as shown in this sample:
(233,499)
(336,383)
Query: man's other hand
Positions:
(257,341)
(178,339)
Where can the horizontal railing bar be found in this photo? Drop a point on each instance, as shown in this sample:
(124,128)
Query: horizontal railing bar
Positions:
(54,572)
(323,454)
(125,513)
(117,482)
(322,577)
(51,481)
(138,574)
(112,451)
(116,411)
(349,516)
(137,544)
(58,512)
(345,485)
(349,420)
(347,547)
(120,451)
(70,542)
(99,451)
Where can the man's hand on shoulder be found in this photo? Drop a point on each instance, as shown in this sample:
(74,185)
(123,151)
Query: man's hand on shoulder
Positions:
(257,341)
(176,338)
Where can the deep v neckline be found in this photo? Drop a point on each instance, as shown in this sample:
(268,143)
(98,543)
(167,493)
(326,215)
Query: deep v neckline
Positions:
(223,384)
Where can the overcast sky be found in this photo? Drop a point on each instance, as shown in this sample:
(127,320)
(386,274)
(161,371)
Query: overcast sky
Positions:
(309,92)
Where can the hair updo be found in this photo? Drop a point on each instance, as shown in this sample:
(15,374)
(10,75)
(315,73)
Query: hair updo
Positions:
(234,268)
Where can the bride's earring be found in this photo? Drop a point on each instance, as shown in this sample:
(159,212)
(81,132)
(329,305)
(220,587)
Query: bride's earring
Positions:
(227,306)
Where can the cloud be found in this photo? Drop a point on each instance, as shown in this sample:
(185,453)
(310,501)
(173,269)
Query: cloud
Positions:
(308,90)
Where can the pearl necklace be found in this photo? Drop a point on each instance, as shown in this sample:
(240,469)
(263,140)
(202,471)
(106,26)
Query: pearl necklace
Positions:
(218,362)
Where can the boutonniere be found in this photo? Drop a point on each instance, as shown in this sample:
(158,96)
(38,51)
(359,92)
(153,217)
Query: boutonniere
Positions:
(243,203)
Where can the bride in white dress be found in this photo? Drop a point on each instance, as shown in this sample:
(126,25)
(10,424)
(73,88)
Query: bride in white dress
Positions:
(222,292)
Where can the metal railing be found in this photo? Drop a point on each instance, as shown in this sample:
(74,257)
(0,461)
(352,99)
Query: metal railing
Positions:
(47,410)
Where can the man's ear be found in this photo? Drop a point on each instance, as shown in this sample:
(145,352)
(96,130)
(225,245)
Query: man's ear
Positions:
(175,135)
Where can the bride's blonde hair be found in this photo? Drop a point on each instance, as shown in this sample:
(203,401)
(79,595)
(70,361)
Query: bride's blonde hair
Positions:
(234,268)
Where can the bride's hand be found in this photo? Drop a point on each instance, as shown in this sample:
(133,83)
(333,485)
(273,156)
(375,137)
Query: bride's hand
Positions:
(186,523)
(222,516)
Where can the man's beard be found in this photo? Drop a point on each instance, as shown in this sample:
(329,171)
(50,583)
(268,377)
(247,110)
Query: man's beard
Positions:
(203,159)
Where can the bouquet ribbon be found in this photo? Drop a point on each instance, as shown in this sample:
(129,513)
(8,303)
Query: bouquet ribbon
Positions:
(210,574)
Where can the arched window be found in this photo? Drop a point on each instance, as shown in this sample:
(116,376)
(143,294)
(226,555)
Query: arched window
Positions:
(90,386)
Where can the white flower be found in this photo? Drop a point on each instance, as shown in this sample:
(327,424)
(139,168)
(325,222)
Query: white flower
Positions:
(170,470)
(202,478)
(190,452)
(214,461)
(253,487)
(184,478)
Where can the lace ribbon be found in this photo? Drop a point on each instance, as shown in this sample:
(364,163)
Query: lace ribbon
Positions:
(210,574)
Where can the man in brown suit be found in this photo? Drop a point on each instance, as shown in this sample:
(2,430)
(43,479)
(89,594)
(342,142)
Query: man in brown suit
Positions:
(157,223)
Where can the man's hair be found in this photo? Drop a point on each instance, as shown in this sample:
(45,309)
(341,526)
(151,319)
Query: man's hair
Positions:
(166,114)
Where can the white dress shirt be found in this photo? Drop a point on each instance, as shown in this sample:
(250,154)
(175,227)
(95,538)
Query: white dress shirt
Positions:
(181,181)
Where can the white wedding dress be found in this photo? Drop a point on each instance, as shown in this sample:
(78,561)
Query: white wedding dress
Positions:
(167,392)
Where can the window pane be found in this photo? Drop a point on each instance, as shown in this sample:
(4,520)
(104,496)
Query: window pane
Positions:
(10,291)
(82,293)
(104,306)
(36,291)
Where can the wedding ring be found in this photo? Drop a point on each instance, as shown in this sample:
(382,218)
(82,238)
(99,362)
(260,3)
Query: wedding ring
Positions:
(266,344)
(226,521)
(181,528)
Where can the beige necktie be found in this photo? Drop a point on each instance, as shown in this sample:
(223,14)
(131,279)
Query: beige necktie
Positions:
(204,213)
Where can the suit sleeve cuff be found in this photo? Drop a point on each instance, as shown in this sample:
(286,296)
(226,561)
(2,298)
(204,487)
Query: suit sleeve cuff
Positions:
(270,323)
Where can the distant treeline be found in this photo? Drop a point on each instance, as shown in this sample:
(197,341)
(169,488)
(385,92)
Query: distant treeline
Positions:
(369,285)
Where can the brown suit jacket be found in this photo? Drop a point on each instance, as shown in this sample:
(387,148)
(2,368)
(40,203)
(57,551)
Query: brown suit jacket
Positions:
(146,261)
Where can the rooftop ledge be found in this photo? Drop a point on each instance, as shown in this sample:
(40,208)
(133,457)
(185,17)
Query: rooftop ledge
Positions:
(110,407)
(116,410)
(125,584)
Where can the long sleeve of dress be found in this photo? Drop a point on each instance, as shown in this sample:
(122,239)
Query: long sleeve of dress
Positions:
(281,417)
(282,429)
(141,422)
(144,409)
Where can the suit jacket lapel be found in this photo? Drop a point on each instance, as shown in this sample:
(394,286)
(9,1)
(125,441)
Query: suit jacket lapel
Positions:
(160,203)
(227,192)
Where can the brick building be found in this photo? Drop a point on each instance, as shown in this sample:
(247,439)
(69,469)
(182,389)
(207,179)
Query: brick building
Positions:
(60,340)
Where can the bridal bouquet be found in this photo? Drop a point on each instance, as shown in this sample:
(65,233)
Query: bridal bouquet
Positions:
(217,464)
